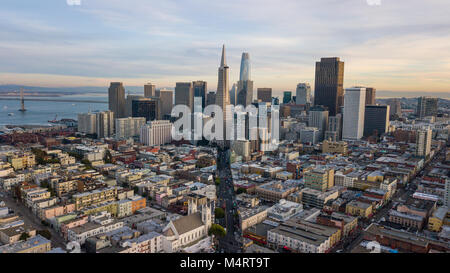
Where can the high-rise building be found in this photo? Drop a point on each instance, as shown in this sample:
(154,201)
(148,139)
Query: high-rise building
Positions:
(334,131)
(116,99)
(149,108)
(303,94)
(223,96)
(264,94)
(155,133)
(105,124)
(287,97)
(376,118)
(370,95)
(318,118)
(423,142)
(87,123)
(245,93)
(329,82)
(319,179)
(211,98)
(149,90)
(184,94)
(245,67)
(426,106)
(166,102)
(309,135)
(233,94)
(355,100)
(200,90)
(128,127)
(129,104)
(395,107)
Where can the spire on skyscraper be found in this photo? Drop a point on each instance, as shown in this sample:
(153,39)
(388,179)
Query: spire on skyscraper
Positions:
(223,62)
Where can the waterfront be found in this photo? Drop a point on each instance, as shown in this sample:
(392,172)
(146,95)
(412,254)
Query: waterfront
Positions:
(40,112)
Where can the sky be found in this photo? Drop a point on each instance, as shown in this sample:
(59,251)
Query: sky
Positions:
(398,45)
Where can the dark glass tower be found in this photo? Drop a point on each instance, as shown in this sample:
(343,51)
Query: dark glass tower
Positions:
(329,84)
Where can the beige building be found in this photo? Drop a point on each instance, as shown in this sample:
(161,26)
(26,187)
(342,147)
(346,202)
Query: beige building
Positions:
(319,179)
(334,147)
(36,244)
(94,197)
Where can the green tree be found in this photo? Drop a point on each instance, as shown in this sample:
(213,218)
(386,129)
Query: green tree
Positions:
(217,230)
(241,190)
(217,181)
(108,157)
(24,236)
(219,213)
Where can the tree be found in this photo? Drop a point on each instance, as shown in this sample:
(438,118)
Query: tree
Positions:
(24,236)
(217,181)
(241,190)
(219,213)
(217,230)
(108,157)
(45,233)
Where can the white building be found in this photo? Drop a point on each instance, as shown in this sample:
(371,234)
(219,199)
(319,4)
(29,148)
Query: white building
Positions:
(147,243)
(156,133)
(354,109)
(284,210)
(187,229)
(318,117)
(303,93)
(129,127)
(423,142)
(105,124)
(87,123)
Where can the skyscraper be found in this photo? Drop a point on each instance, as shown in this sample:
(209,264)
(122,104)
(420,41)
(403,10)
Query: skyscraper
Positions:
(426,106)
(245,67)
(244,95)
(355,100)
(329,82)
(222,95)
(211,98)
(129,104)
(318,118)
(233,94)
(200,90)
(128,127)
(87,123)
(166,99)
(287,96)
(370,95)
(149,108)
(395,107)
(184,94)
(423,142)
(149,90)
(303,94)
(376,118)
(334,130)
(116,99)
(105,124)
(265,94)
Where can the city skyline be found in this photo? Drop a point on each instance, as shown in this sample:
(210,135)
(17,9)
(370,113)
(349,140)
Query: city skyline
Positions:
(95,43)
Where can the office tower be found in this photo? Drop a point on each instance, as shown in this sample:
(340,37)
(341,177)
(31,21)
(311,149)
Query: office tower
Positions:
(245,93)
(149,108)
(211,98)
(105,124)
(309,135)
(320,179)
(376,118)
(233,94)
(318,118)
(87,123)
(303,94)
(355,100)
(222,95)
(287,97)
(245,67)
(370,95)
(166,102)
(423,142)
(395,107)
(200,90)
(129,104)
(149,90)
(184,94)
(329,84)
(334,131)
(426,106)
(264,94)
(128,127)
(155,133)
(275,101)
(116,99)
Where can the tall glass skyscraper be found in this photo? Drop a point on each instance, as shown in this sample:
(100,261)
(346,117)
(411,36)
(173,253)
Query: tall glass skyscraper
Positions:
(245,67)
